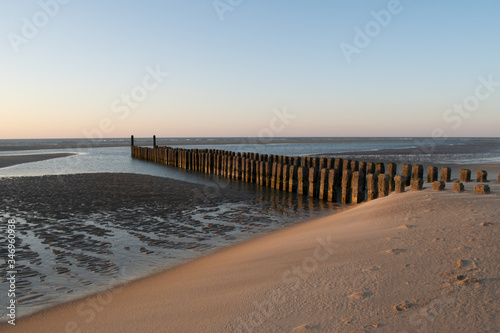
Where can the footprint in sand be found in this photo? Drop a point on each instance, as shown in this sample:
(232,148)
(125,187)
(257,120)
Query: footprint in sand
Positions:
(406,226)
(395,251)
(467,264)
(406,306)
(361,295)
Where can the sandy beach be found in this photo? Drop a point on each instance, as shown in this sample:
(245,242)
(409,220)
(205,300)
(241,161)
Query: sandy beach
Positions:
(415,262)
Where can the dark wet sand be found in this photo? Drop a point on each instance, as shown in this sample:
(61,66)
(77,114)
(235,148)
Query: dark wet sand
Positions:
(6,161)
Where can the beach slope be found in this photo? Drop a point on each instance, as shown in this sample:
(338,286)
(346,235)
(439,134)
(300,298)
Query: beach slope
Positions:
(414,262)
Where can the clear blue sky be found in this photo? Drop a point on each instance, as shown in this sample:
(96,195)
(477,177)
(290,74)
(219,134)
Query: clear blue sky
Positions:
(231,77)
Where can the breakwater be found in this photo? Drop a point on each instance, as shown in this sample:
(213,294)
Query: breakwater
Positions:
(330,179)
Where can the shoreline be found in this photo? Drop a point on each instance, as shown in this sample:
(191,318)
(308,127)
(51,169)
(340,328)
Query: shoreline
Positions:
(217,292)
(11,160)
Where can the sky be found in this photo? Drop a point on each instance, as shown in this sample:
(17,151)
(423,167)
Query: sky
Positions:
(249,68)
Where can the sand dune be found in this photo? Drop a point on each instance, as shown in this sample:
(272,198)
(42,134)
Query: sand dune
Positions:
(415,262)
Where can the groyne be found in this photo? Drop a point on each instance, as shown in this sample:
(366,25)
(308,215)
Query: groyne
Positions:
(331,179)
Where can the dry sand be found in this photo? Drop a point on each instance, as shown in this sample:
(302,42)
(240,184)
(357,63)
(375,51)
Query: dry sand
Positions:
(6,161)
(415,262)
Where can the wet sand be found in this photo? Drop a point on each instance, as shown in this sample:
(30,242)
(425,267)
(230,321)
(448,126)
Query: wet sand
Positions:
(6,161)
(77,234)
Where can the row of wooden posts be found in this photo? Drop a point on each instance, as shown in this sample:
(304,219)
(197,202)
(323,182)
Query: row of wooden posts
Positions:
(330,179)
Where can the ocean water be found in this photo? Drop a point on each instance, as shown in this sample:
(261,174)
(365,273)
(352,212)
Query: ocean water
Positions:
(45,287)
(117,159)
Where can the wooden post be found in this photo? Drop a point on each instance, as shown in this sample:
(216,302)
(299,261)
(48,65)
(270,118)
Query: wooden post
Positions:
(391,171)
(332,185)
(416,184)
(458,187)
(302,176)
(417,172)
(274,168)
(432,174)
(323,183)
(293,180)
(338,164)
(358,187)
(279,179)
(438,185)
(154,141)
(379,168)
(372,186)
(313,182)
(362,167)
(267,173)
(407,168)
(285,176)
(354,166)
(346,186)
(482,176)
(383,185)
(464,175)
(400,183)
(346,165)
(329,163)
(131,140)
(370,167)
(445,174)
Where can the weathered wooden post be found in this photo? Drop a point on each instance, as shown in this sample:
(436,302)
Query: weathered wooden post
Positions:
(481,189)
(354,166)
(323,184)
(417,172)
(285,176)
(372,186)
(416,184)
(154,141)
(262,173)
(302,176)
(346,186)
(333,180)
(370,167)
(383,185)
(399,182)
(458,187)
(358,187)
(432,174)
(239,167)
(379,168)
(329,163)
(274,168)
(438,185)
(407,168)
(391,171)
(338,164)
(313,182)
(293,180)
(347,165)
(482,176)
(267,173)
(131,140)
(362,167)
(464,175)
(279,177)
(445,174)
(322,163)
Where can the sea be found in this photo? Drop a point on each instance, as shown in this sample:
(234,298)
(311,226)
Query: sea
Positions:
(48,285)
